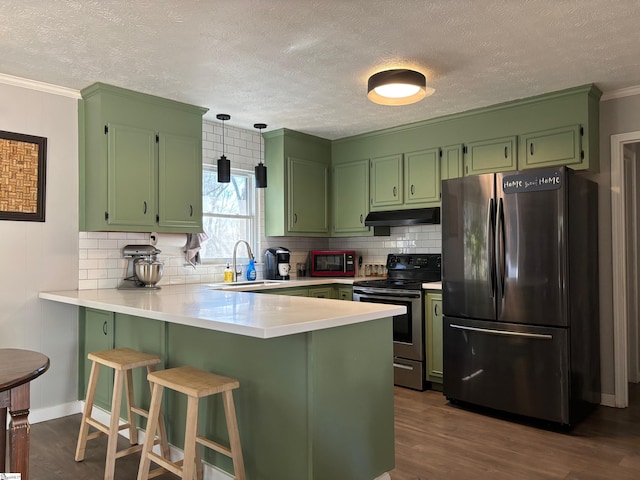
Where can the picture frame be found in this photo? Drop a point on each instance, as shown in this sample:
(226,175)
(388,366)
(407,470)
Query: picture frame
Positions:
(23,168)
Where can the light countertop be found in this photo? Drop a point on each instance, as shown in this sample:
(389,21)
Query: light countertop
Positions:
(231,310)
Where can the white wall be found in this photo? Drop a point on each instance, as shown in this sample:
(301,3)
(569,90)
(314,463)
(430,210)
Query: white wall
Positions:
(40,256)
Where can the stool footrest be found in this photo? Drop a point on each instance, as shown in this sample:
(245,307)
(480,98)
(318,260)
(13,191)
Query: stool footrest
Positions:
(173,467)
(214,446)
(140,411)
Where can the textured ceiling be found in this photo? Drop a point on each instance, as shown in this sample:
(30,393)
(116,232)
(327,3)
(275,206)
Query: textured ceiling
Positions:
(304,64)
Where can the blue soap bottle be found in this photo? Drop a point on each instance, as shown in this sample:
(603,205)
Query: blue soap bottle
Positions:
(251,270)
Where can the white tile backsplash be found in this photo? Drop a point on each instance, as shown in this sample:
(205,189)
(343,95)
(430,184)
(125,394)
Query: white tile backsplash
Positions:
(100,253)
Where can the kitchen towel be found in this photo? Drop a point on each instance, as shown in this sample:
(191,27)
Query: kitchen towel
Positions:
(193,246)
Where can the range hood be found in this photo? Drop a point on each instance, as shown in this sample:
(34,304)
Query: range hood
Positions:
(399,218)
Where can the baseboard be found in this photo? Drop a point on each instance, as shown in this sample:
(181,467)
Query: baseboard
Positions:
(38,415)
(608,400)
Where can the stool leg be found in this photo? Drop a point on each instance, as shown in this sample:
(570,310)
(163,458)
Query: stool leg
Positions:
(133,431)
(112,443)
(88,406)
(191,430)
(162,429)
(234,435)
(152,425)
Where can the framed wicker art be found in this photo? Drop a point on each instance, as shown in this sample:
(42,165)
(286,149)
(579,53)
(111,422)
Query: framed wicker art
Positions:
(22,176)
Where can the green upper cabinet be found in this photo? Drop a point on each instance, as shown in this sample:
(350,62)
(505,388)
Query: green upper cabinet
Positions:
(180,168)
(386,181)
(350,198)
(558,146)
(488,156)
(140,162)
(451,162)
(297,198)
(422,177)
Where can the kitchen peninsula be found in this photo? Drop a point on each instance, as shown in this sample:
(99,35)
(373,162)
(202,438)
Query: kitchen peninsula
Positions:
(316,381)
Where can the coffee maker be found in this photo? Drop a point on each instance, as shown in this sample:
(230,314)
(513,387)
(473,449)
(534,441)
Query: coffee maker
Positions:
(277,263)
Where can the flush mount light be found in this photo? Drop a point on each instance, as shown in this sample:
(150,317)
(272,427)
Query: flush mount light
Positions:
(261,170)
(397,87)
(224,165)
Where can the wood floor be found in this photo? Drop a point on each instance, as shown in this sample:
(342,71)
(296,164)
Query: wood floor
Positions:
(434,440)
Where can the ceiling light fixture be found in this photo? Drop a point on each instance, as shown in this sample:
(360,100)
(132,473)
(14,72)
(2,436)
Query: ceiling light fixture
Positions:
(224,165)
(397,87)
(261,170)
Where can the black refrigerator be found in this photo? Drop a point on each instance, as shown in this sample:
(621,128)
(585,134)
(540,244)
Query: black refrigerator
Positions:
(520,293)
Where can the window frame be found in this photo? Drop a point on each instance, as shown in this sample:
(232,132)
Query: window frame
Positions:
(252,216)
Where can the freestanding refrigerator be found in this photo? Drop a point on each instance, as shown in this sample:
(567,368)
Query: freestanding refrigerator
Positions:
(520,293)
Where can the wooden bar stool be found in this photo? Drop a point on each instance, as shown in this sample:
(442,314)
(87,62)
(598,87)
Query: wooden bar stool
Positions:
(195,384)
(123,361)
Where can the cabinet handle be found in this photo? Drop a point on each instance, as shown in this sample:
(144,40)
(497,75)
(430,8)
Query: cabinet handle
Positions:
(360,218)
(394,191)
(104,327)
(436,310)
(506,149)
(144,210)
(295,218)
(413,190)
(531,148)
(191,210)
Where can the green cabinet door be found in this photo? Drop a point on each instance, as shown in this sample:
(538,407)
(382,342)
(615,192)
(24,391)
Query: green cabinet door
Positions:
(558,146)
(345,293)
(96,334)
(386,181)
(433,342)
(489,156)
(350,198)
(308,196)
(422,177)
(180,172)
(132,176)
(321,292)
(451,162)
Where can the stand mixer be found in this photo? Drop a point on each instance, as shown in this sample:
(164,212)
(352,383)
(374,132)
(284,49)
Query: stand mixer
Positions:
(143,268)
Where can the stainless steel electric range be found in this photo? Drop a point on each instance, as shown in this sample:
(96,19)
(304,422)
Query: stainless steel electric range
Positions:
(403,286)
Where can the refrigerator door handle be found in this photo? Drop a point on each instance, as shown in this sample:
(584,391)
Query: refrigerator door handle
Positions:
(500,246)
(491,233)
(541,336)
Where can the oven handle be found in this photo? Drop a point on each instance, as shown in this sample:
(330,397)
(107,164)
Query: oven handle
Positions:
(394,294)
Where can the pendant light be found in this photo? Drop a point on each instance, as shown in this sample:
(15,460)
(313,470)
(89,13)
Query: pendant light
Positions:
(397,87)
(261,170)
(224,165)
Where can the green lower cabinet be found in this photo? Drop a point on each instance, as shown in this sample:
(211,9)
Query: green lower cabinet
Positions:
(344,293)
(558,146)
(489,156)
(96,334)
(321,292)
(433,341)
(296,292)
(299,415)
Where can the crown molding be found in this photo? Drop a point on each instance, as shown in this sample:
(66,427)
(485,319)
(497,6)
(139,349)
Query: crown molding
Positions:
(620,93)
(39,86)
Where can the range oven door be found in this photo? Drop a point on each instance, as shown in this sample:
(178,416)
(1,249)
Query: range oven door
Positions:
(408,332)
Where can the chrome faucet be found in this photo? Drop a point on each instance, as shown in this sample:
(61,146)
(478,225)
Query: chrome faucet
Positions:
(235,248)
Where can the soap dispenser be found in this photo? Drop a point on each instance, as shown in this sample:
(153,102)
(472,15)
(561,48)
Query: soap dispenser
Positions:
(228,274)
(251,270)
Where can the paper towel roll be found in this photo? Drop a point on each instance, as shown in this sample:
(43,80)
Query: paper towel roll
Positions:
(170,244)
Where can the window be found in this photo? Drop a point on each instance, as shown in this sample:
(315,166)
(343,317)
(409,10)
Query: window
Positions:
(228,211)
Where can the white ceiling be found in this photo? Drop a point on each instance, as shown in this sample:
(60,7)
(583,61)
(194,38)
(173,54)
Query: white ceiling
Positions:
(304,64)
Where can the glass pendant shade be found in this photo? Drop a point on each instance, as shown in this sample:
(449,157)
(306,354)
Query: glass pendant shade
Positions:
(261,169)
(224,164)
